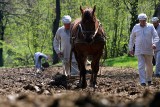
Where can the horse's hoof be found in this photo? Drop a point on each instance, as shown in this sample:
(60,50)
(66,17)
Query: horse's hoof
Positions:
(79,85)
(84,86)
(93,85)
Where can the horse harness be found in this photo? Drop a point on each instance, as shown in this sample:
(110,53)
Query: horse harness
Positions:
(75,39)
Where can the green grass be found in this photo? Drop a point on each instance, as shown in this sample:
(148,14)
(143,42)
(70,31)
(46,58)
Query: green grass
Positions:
(123,61)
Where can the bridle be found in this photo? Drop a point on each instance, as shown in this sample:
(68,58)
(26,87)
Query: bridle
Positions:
(85,31)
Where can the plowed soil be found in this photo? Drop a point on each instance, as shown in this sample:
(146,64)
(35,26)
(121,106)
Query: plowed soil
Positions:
(117,87)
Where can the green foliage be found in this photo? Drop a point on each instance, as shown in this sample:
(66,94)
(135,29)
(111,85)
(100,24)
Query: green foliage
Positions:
(29,27)
(28,32)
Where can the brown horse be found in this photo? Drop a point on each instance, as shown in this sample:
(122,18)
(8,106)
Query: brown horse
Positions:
(88,39)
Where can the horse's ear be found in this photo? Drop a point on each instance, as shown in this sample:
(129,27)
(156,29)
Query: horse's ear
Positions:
(94,9)
(81,9)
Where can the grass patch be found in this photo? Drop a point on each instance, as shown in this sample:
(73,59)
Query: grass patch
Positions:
(123,61)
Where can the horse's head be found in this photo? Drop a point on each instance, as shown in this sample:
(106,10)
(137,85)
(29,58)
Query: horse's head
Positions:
(88,23)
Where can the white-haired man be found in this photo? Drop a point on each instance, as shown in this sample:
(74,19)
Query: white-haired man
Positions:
(144,36)
(156,24)
(62,47)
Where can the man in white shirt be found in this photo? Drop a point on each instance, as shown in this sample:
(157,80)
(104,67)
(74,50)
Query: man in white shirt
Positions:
(62,46)
(144,36)
(156,24)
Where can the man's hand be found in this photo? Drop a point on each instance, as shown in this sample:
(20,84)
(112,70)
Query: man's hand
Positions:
(131,53)
(60,55)
(153,46)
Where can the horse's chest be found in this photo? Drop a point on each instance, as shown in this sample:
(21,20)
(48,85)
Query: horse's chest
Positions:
(89,48)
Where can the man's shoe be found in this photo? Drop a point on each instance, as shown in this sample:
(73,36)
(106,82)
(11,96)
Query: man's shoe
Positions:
(38,71)
(143,84)
(150,83)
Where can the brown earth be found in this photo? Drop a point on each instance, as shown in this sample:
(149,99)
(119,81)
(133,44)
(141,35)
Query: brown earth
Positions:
(117,87)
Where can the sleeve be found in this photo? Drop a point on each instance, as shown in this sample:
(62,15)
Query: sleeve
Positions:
(155,36)
(44,56)
(36,58)
(56,42)
(132,39)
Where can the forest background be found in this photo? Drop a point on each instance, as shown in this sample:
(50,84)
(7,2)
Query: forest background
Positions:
(28,26)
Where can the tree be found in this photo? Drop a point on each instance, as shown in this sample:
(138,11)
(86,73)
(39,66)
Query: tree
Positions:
(2,28)
(27,26)
(4,11)
(55,27)
(133,10)
(28,31)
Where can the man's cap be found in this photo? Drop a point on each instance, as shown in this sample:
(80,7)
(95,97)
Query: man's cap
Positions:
(142,16)
(66,19)
(154,19)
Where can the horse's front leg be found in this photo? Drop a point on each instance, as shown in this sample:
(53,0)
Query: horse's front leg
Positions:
(83,78)
(93,80)
(82,73)
(81,66)
(95,69)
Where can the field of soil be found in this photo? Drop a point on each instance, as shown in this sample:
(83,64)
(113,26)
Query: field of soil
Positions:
(117,87)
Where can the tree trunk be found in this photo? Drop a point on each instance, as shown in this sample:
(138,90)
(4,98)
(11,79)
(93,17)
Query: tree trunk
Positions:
(55,27)
(2,27)
(133,9)
(134,14)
